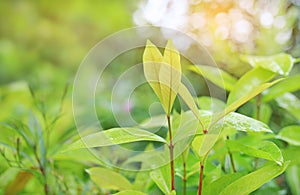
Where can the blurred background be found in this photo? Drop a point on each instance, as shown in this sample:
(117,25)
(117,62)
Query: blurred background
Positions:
(43,43)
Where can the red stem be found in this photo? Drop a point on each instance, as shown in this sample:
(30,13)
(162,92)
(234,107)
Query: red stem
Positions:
(171,148)
(200,179)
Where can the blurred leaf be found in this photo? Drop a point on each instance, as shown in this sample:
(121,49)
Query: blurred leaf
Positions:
(18,183)
(162,179)
(254,180)
(154,121)
(290,134)
(210,103)
(113,137)
(142,178)
(292,175)
(265,149)
(280,63)
(215,75)
(130,192)
(35,128)
(289,84)
(291,103)
(7,176)
(217,186)
(265,113)
(291,153)
(108,179)
(249,83)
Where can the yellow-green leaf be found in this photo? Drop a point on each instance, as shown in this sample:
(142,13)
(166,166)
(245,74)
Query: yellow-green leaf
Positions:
(170,76)
(189,100)
(152,60)
(109,179)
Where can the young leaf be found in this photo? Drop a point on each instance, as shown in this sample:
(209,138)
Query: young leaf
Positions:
(248,83)
(170,76)
(289,84)
(290,134)
(163,73)
(152,60)
(248,183)
(217,76)
(265,149)
(280,63)
(130,192)
(113,137)
(108,179)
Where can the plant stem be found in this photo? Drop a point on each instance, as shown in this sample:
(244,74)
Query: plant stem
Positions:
(201,178)
(258,104)
(231,158)
(171,148)
(42,170)
(184,178)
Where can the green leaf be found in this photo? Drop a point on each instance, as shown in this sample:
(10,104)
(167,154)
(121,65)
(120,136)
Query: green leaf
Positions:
(202,144)
(189,100)
(293,178)
(291,103)
(264,149)
(241,122)
(281,63)
(216,76)
(217,186)
(289,84)
(130,192)
(254,180)
(248,83)
(291,153)
(162,179)
(247,96)
(108,179)
(113,137)
(290,134)
(210,103)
